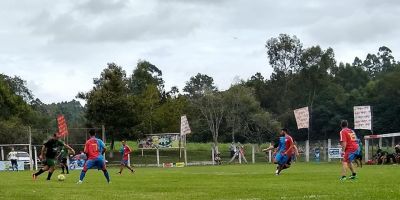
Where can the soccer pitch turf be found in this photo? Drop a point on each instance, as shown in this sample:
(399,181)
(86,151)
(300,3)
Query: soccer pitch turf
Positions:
(302,181)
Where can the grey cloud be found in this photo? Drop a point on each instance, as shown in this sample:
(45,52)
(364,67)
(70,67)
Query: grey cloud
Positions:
(160,23)
(102,6)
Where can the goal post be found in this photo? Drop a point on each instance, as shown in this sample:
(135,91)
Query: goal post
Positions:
(367,138)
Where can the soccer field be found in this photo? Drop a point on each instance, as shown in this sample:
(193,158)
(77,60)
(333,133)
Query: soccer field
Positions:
(302,181)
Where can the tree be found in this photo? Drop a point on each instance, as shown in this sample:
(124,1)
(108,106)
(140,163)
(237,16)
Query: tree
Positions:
(145,74)
(199,85)
(108,103)
(212,107)
(149,102)
(244,116)
(284,53)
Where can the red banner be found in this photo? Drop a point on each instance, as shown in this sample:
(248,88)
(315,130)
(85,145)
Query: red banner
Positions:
(62,126)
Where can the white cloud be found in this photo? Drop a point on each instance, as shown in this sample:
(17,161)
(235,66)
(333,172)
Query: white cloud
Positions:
(59,47)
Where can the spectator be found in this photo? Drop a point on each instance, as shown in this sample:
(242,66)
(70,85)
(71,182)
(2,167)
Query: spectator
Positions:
(14,159)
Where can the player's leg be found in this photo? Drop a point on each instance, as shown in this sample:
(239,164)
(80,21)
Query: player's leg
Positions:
(351,158)
(130,168)
(102,165)
(41,170)
(88,164)
(51,170)
(66,165)
(121,167)
(62,166)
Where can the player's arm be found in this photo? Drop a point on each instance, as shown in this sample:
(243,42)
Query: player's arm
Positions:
(69,148)
(296,150)
(41,157)
(103,147)
(343,144)
(129,149)
(268,149)
(343,141)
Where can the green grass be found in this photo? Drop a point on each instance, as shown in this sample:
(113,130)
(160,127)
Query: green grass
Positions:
(302,181)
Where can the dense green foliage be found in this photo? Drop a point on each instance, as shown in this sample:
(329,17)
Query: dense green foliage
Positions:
(253,110)
(302,181)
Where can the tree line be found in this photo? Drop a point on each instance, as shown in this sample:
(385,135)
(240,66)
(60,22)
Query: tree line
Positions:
(132,105)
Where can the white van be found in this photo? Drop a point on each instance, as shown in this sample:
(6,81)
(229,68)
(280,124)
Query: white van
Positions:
(21,156)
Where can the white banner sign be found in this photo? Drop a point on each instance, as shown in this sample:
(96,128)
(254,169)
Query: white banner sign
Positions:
(362,117)
(335,152)
(6,165)
(302,117)
(185,128)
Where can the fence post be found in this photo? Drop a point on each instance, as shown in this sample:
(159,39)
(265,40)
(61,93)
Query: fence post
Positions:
(158,157)
(366,150)
(103,132)
(393,142)
(307,151)
(253,156)
(2,153)
(212,155)
(270,154)
(129,160)
(35,154)
(185,154)
(240,157)
(30,148)
(329,146)
(380,143)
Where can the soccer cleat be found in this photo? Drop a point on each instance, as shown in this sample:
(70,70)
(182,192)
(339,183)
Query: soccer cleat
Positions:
(352,177)
(79,182)
(133,171)
(343,178)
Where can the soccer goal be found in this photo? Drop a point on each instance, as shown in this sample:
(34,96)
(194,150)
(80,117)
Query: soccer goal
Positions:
(383,141)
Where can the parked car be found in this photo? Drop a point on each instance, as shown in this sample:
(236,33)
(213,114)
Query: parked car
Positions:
(21,156)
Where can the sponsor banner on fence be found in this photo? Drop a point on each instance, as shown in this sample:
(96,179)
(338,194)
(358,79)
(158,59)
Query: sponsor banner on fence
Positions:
(362,117)
(6,165)
(302,117)
(335,153)
(160,141)
(169,165)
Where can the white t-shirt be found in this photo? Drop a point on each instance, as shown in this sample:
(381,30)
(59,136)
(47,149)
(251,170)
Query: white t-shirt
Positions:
(13,155)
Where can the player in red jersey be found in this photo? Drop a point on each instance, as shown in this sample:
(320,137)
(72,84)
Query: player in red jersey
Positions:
(125,151)
(284,152)
(94,149)
(348,141)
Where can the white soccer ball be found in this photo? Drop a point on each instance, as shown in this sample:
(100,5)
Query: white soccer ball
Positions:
(61,177)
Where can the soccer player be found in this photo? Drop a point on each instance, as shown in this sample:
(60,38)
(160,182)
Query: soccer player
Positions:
(63,159)
(284,151)
(348,141)
(94,149)
(49,160)
(125,151)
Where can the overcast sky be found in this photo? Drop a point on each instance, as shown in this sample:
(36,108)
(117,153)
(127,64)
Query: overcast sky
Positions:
(58,47)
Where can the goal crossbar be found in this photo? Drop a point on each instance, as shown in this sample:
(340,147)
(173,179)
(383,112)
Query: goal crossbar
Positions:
(369,137)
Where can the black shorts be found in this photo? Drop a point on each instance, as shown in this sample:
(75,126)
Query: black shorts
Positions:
(358,157)
(63,161)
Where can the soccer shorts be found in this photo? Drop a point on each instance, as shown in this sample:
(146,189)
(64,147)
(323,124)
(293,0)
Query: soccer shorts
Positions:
(95,163)
(281,159)
(49,162)
(124,162)
(350,155)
